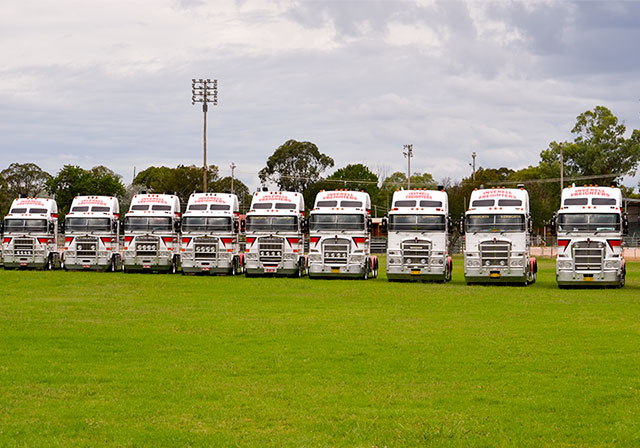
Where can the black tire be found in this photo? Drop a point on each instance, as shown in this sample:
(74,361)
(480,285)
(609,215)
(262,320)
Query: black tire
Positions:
(234,267)
(49,265)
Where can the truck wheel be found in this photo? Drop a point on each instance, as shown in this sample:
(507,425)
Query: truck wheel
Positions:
(49,266)
(174,266)
(622,279)
(234,267)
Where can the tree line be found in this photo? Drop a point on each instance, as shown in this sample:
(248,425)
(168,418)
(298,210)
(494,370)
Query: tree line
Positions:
(598,153)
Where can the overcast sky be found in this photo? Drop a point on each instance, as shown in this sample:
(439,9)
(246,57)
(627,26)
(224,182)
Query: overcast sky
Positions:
(109,82)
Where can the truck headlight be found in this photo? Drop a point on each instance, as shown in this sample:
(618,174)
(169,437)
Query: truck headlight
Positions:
(437,261)
(357,258)
(611,264)
(290,256)
(517,263)
(393,253)
(565,264)
(473,263)
(251,256)
(315,258)
(394,260)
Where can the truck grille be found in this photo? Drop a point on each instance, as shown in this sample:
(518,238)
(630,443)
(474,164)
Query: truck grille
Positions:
(495,253)
(86,247)
(588,255)
(336,251)
(416,253)
(23,246)
(271,250)
(205,248)
(146,247)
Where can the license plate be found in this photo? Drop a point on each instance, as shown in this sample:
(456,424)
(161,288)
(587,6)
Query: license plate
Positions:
(205,269)
(494,275)
(415,272)
(86,266)
(335,270)
(146,266)
(270,270)
(23,264)
(588,278)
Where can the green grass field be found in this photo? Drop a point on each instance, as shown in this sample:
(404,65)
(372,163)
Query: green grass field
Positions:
(97,359)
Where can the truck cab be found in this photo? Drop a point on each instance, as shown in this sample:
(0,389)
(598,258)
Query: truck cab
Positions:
(340,236)
(152,233)
(497,229)
(418,236)
(30,235)
(210,228)
(275,227)
(92,234)
(590,225)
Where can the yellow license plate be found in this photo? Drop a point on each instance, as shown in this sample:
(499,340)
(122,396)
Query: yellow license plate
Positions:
(588,279)
(415,272)
(494,275)
(335,270)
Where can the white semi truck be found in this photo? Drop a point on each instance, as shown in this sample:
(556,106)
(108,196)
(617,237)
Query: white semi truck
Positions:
(92,234)
(30,235)
(419,228)
(497,227)
(590,225)
(275,228)
(340,236)
(152,233)
(210,228)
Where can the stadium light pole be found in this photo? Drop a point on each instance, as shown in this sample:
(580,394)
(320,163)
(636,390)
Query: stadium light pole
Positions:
(408,154)
(204,91)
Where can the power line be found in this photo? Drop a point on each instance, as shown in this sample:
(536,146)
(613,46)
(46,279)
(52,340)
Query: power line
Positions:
(556,179)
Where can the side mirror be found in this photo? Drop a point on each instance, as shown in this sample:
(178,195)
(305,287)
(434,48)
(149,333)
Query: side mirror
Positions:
(236,226)
(461,226)
(449,224)
(553,225)
(114,226)
(625,224)
(369,224)
(243,225)
(384,226)
(530,224)
(61,227)
(176,226)
(304,224)
(52,227)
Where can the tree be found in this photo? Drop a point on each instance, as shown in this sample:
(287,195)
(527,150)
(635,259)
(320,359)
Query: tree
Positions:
(182,180)
(72,181)
(295,165)
(356,177)
(24,179)
(599,148)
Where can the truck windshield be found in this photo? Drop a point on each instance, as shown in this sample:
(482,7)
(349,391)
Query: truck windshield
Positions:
(418,223)
(336,222)
(87,225)
(588,222)
(146,224)
(25,225)
(495,223)
(272,223)
(206,224)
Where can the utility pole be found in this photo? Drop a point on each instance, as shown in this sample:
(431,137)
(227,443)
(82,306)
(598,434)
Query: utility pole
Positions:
(233,168)
(408,154)
(561,169)
(473,174)
(204,91)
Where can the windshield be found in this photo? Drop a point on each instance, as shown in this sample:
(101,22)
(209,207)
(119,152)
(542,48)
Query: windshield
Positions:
(588,222)
(25,225)
(336,222)
(206,224)
(417,223)
(87,225)
(495,223)
(144,224)
(272,223)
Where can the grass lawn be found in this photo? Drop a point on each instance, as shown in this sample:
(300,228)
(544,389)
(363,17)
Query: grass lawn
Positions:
(98,359)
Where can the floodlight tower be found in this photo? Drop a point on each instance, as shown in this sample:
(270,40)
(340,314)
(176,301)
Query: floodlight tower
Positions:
(204,91)
(408,156)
